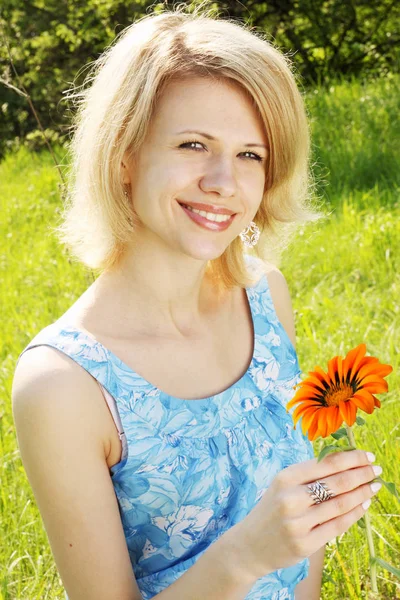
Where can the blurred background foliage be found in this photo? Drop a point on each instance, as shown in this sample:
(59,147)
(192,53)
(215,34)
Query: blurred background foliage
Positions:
(50,42)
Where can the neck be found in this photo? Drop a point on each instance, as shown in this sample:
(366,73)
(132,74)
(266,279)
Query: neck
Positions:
(171,298)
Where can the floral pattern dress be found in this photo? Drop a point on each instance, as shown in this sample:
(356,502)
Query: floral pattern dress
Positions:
(191,469)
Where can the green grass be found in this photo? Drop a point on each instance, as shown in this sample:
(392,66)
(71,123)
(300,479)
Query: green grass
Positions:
(344,277)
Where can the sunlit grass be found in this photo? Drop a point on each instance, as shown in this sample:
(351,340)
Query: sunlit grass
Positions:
(344,277)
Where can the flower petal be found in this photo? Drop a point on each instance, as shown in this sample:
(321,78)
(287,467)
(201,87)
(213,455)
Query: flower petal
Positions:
(299,410)
(320,374)
(322,423)
(364,403)
(292,402)
(303,396)
(377,402)
(334,419)
(298,415)
(359,358)
(363,393)
(332,370)
(348,410)
(308,418)
(313,430)
(307,393)
(315,381)
(340,368)
(373,385)
(368,359)
(374,369)
(330,416)
(352,360)
(383,370)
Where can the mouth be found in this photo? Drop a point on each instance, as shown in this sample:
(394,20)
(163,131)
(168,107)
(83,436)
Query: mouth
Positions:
(208,220)
(209,208)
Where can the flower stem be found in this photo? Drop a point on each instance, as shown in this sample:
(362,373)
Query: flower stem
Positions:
(368,528)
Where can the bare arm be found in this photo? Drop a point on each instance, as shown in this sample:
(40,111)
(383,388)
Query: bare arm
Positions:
(310,587)
(216,575)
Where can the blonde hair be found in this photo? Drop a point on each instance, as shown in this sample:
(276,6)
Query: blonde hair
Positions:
(115,110)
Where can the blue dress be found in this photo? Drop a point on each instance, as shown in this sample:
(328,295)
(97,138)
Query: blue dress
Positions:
(191,469)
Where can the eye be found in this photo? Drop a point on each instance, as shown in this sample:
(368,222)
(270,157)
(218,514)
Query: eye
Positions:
(257,157)
(190,142)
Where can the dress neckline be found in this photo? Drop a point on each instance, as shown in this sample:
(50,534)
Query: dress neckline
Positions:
(216,398)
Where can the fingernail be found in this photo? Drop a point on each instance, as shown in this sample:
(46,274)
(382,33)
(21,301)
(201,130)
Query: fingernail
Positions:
(377,469)
(371,457)
(366,504)
(376,486)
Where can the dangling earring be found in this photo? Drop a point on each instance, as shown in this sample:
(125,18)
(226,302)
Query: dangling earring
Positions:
(127,196)
(250,235)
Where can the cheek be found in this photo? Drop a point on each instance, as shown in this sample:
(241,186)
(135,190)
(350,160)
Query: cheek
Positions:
(255,178)
(256,189)
(251,186)
(156,193)
(169,178)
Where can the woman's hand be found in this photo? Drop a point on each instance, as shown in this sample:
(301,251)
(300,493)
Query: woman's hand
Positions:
(286,526)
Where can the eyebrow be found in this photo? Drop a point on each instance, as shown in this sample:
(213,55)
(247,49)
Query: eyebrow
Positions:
(210,137)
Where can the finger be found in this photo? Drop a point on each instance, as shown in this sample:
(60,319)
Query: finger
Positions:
(331,529)
(337,506)
(310,470)
(346,481)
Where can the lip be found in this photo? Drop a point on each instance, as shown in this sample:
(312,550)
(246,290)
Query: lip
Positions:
(201,221)
(217,210)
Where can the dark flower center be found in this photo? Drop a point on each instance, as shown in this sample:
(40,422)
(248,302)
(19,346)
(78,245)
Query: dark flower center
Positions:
(338,394)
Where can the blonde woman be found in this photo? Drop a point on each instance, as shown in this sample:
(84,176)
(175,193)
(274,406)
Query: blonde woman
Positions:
(151,415)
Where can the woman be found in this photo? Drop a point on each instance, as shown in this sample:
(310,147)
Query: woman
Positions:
(189,481)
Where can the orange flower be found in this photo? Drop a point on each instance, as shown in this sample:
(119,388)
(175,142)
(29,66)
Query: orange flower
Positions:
(327,399)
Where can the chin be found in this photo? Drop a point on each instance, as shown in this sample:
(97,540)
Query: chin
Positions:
(204,253)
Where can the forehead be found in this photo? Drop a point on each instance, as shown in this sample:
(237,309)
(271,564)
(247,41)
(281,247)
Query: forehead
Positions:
(206,104)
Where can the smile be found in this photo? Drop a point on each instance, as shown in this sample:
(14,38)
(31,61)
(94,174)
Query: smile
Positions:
(208,220)
(208,215)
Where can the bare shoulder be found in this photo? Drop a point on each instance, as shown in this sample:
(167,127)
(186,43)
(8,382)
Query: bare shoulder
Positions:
(42,363)
(51,384)
(281,298)
(58,428)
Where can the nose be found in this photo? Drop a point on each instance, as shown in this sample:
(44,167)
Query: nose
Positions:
(220,177)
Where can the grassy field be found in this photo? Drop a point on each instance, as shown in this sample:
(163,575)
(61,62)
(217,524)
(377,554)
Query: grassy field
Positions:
(344,276)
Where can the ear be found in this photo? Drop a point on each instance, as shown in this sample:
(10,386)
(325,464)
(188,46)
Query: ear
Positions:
(126,165)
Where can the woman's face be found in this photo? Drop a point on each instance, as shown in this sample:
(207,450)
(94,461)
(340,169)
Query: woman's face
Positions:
(224,172)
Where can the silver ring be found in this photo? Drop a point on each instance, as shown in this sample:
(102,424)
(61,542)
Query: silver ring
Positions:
(319,492)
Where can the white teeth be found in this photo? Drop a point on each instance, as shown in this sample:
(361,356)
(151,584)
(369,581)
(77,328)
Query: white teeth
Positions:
(209,216)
